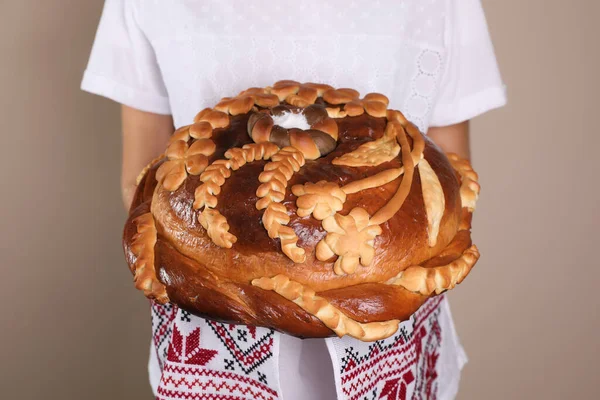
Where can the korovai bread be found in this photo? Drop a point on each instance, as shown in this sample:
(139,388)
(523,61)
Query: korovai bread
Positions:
(303,208)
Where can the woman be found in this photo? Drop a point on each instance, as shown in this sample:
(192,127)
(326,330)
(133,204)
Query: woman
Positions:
(165,61)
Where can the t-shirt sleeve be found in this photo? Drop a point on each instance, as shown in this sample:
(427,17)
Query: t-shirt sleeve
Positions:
(122,64)
(471,84)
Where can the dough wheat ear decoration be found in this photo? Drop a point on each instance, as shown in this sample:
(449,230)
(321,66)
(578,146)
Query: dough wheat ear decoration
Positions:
(328,214)
(274,180)
(213,178)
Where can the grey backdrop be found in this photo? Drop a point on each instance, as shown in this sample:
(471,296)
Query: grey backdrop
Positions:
(73,327)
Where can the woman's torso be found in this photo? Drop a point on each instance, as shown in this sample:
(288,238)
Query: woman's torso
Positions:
(207,50)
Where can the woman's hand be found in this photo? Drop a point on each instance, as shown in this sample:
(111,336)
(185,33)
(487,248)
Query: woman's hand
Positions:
(145,136)
(452,138)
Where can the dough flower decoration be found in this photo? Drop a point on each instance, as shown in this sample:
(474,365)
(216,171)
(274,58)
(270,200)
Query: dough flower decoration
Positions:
(349,237)
(184,159)
(322,199)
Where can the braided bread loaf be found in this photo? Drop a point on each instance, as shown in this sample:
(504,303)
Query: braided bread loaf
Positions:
(303,208)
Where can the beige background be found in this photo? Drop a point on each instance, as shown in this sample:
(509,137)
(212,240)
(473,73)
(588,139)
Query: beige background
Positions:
(73,327)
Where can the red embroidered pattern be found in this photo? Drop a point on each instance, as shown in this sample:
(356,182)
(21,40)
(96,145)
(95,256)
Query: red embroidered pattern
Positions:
(396,388)
(398,368)
(187,350)
(211,360)
(162,326)
(252,357)
(168,395)
(202,380)
(428,343)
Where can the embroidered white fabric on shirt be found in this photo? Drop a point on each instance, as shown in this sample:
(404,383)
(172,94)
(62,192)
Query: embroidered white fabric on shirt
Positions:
(223,360)
(228,47)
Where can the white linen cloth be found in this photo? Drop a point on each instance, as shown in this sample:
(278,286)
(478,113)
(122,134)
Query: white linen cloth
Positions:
(432,58)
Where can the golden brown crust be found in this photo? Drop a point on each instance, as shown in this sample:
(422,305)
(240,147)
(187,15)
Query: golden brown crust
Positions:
(355,241)
(332,317)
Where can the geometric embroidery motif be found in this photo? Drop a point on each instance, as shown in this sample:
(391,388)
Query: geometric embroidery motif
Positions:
(427,357)
(187,349)
(213,360)
(403,366)
(248,351)
(162,327)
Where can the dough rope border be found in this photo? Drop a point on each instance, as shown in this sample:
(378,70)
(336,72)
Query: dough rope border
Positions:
(331,316)
(144,272)
(426,281)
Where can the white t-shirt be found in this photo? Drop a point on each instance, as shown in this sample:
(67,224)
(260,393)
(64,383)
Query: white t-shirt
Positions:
(432,58)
